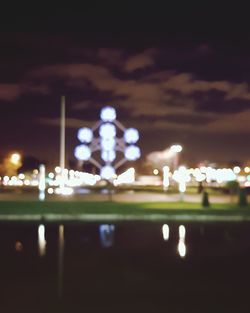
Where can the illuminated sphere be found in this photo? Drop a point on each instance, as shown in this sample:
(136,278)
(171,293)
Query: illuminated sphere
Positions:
(108,114)
(108,144)
(131,135)
(107,130)
(108,156)
(107,172)
(132,153)
(85,134)
(82,153)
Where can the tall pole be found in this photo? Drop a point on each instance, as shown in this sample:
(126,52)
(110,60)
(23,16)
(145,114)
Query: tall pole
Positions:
(62,139)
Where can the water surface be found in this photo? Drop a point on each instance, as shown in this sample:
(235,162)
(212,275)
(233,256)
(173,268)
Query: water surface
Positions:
(124,267)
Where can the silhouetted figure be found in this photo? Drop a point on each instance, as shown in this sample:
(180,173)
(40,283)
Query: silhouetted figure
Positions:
(200,187)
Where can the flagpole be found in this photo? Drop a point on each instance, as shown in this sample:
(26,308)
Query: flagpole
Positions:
(62,139)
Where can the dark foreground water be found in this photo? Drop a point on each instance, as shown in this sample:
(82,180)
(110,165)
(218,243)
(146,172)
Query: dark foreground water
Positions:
(125,267)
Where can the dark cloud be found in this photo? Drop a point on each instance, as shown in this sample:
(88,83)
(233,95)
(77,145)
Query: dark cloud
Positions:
(172,88)
(189,119)
(215,102)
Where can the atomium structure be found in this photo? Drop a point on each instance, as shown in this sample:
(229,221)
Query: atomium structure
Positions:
(114,150)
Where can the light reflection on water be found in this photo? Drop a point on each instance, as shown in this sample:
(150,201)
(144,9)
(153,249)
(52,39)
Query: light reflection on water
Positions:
(165,232)
(181,248)
(85,259)
(107,232)
(60,260)
(41,240)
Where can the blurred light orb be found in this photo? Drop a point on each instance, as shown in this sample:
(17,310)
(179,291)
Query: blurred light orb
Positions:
(50,191)
(108,144)
(82,153)
(132,153)
(176,148)
(58,169)
(107,130)
(51,175)
(85,134)
(108,114)
(107,172)
(155,171)
(108,156)
(15,158)
(236,169)
(247,169)
(131,135)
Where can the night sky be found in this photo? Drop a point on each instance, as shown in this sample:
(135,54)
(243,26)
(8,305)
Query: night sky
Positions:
(179,76)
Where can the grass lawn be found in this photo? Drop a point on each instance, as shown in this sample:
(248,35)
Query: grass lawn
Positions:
(75,209)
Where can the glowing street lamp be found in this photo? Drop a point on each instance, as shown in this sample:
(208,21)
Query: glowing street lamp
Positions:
(15,158)
(108,144)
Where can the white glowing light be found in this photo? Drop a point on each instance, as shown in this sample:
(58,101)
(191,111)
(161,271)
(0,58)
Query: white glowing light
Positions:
(182,232)
(176,148)
(58,169)
(131,135)
(42,184)
(51,175)
(155,171)
(182,176)
(132,153)
(203,169)
(236,169)
(108,155)
(65,191)
(224,174)
(247,169)
(182,250)
(107,131)
(6,179)
(108,144)
(82,152)
(41,240)
(107,172)
(15,158)
(21,176)
(127,177)
(108,114)
(50,191)
(199,177)
(165,176)
(165,231)
(182,186)
(85,134)
(27,182)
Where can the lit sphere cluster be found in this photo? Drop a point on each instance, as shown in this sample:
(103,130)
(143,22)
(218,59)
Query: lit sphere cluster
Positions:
(108,142)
